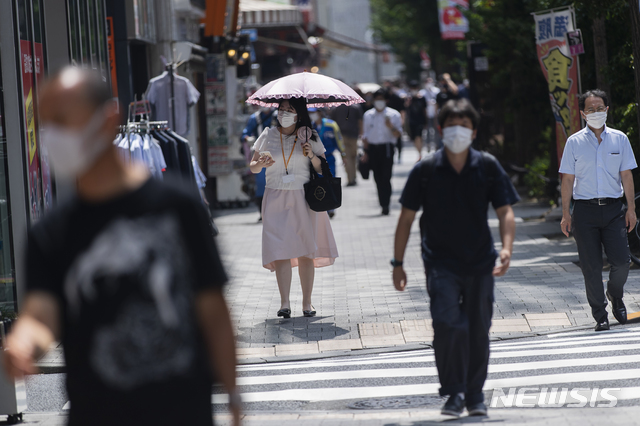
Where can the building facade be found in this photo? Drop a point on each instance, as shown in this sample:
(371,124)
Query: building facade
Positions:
(37,38)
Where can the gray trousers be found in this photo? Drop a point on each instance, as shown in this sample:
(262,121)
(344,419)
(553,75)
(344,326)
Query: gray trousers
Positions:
(596,226)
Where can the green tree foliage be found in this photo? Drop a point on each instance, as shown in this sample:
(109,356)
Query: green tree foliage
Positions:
(409,26)
(515,94)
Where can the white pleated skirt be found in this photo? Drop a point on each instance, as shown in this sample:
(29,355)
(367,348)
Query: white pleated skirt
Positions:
(290,229)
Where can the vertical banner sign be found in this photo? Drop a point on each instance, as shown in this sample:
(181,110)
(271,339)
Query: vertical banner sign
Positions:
(217,124)
(560,69)
(27,66)
(453,24)
(47,190)
(111,46)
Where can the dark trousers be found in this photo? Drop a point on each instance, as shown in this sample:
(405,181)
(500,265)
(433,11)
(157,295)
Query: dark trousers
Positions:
(381,164)
(461,310)
(594,227)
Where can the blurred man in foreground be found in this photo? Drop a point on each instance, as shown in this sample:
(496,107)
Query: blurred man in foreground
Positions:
(126,273)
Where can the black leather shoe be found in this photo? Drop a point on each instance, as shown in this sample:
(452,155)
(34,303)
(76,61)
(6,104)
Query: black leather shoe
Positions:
(602,326)
(478,409)
(385,211)
(285,313)
(618,308)
(454,406)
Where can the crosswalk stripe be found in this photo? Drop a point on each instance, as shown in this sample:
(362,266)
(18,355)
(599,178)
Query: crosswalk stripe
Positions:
(592,359)
(336,394)
(551,344)
(429,371)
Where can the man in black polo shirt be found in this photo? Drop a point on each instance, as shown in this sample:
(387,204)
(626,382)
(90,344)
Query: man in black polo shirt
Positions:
(454,187)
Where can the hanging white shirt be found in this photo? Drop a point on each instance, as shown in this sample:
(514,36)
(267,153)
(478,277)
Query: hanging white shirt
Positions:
(298,164)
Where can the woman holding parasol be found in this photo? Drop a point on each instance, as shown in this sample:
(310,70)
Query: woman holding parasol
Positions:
(293,234)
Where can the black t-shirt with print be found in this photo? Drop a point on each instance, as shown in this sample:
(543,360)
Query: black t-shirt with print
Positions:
(126,273)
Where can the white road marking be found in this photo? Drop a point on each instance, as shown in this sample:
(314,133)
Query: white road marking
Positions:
(429,371)
(336,394)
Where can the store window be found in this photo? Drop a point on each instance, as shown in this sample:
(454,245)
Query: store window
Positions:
(88,35)
(7,276)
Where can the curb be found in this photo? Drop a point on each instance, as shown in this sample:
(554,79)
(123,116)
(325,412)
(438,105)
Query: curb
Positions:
(58,368)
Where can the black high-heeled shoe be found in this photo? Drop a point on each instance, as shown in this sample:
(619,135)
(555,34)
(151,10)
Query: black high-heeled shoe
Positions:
(285,313)
(311,313)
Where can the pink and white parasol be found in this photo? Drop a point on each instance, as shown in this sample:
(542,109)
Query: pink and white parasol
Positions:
(315,88)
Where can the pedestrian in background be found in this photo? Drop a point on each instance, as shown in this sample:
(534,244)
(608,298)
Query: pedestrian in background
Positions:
(596,171)
(292,234)
(417,115)
(448,91)
(454,187)
(381,127)
(396,100)
(126,273)
(430,92)
(349,120)
(258,121)
(331,138)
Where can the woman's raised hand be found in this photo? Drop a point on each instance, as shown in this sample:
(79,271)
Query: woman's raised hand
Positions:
(306,149)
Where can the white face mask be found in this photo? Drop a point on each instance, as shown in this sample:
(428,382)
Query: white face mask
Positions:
(596,119)
(314,116)
(457,138)
(380,105)
(71,151)
(286,118)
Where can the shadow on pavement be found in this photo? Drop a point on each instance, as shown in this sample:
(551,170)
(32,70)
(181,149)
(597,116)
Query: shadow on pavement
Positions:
(279,330)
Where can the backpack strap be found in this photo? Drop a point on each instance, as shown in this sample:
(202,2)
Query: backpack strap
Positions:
(427,168)
(491,169)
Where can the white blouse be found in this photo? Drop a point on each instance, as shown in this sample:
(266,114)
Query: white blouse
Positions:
(298,165)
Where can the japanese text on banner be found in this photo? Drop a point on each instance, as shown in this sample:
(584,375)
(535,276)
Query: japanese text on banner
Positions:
(560,69)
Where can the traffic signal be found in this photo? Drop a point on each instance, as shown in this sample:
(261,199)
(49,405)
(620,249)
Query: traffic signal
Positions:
(244,57)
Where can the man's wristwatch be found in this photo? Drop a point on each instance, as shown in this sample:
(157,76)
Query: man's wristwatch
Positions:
(396,263)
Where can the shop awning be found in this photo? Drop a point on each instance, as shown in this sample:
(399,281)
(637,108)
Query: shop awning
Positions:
(262,13)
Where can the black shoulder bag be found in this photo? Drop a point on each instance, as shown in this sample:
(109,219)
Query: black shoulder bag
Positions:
(323,192)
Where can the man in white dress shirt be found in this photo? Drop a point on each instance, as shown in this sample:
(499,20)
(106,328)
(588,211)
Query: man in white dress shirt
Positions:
(382,126)
(596,167)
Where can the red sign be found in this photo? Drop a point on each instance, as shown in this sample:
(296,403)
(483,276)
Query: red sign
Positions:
(453,24)
(29,96)
(111,46)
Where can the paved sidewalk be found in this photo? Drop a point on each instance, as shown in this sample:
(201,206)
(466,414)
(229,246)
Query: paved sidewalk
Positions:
(358,308)
(355,299)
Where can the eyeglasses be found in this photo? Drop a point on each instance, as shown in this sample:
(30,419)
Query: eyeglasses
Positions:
(591,111)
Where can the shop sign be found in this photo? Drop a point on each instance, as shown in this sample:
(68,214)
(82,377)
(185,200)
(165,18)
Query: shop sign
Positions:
(216,99)
(216,66)
(218,161)
(111,47)
(574,40)
(560,69)
(453,24)
(27,67)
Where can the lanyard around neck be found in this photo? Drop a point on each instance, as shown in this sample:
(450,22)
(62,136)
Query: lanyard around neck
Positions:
(286,162)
